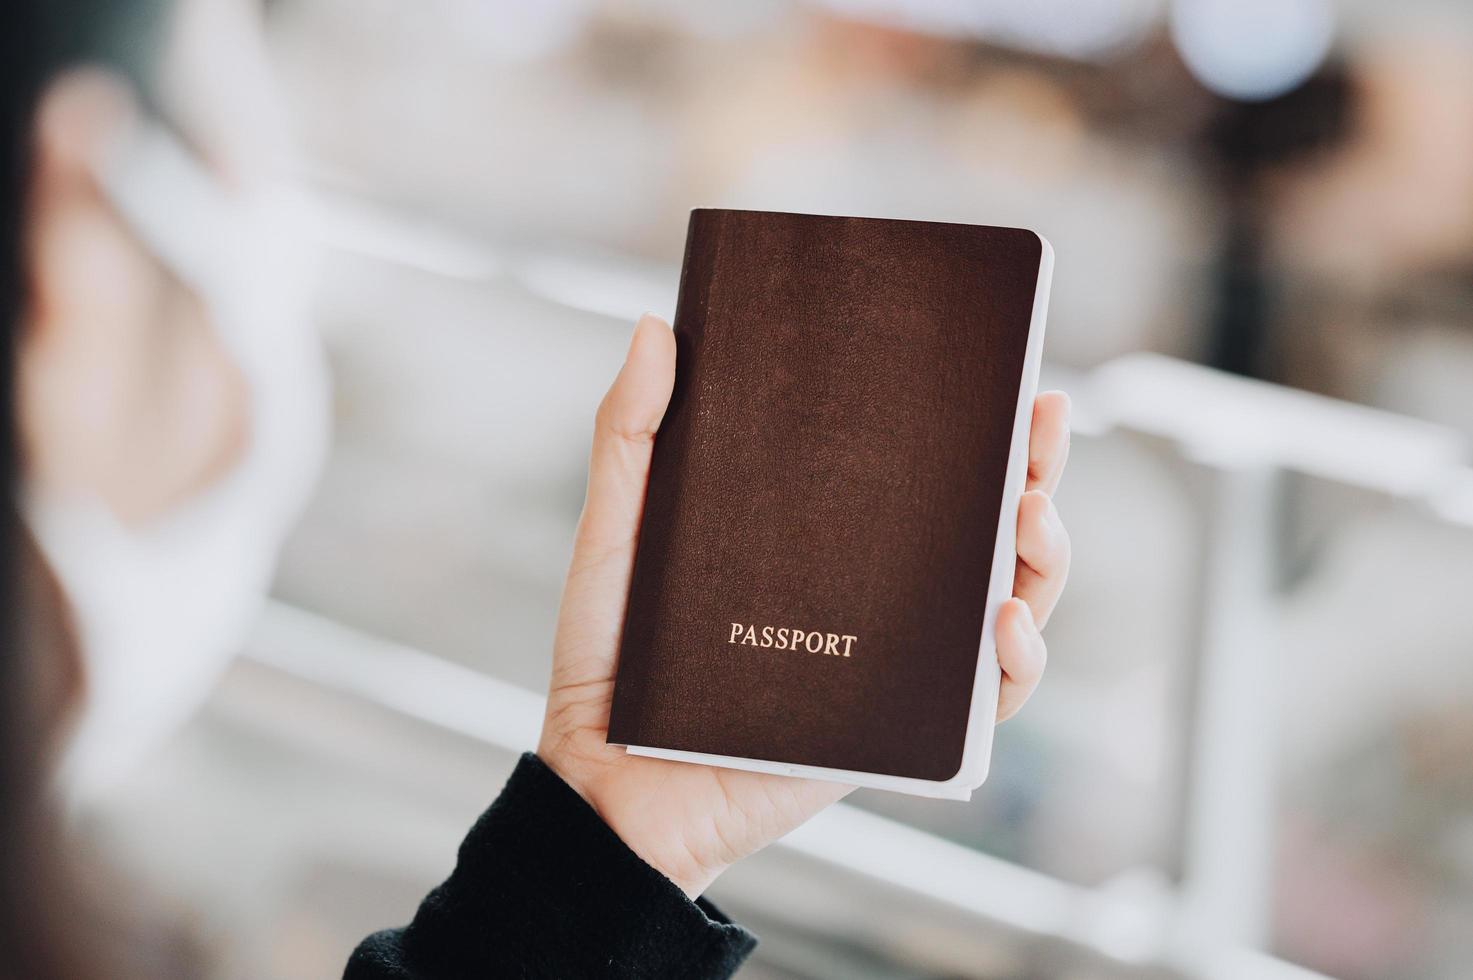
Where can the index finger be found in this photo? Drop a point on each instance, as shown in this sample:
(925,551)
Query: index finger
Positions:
(1048,444)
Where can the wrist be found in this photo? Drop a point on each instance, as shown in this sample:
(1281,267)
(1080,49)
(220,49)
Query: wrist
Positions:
(654,841)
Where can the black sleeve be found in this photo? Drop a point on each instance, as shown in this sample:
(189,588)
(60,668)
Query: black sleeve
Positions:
(543,888)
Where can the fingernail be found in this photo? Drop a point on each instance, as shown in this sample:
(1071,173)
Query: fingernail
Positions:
(1053,519)
(634,334)
(1049,520)
(1023,623)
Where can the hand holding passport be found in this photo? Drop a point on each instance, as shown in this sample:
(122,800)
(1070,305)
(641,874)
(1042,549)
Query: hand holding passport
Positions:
(692,821)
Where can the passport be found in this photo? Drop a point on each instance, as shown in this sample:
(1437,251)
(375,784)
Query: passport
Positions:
(829,523)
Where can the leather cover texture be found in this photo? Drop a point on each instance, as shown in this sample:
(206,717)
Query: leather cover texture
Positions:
(832,462)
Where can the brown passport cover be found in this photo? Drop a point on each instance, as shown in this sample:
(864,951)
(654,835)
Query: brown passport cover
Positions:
(833,460)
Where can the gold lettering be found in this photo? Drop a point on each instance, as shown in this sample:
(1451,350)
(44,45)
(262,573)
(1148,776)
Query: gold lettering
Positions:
(792,638)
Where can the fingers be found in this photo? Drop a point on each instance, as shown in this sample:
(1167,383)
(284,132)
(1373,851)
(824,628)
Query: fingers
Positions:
(623,439)
(1043,558)
(1043,555)
(1048,443)
(1021,654)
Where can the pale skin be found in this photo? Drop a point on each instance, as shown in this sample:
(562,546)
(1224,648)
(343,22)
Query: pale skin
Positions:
(692,822)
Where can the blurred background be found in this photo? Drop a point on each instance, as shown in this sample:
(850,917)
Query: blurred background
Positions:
(1253,753)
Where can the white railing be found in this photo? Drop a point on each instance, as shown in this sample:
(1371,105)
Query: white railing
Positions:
(1123,926)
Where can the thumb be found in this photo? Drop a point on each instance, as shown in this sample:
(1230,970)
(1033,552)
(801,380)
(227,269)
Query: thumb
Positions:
(623,439)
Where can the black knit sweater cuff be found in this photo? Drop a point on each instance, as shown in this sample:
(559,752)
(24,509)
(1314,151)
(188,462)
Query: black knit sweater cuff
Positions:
(543,887)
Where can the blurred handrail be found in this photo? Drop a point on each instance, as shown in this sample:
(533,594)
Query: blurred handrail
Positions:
(1233,422)
(1242,436)
(455,698)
